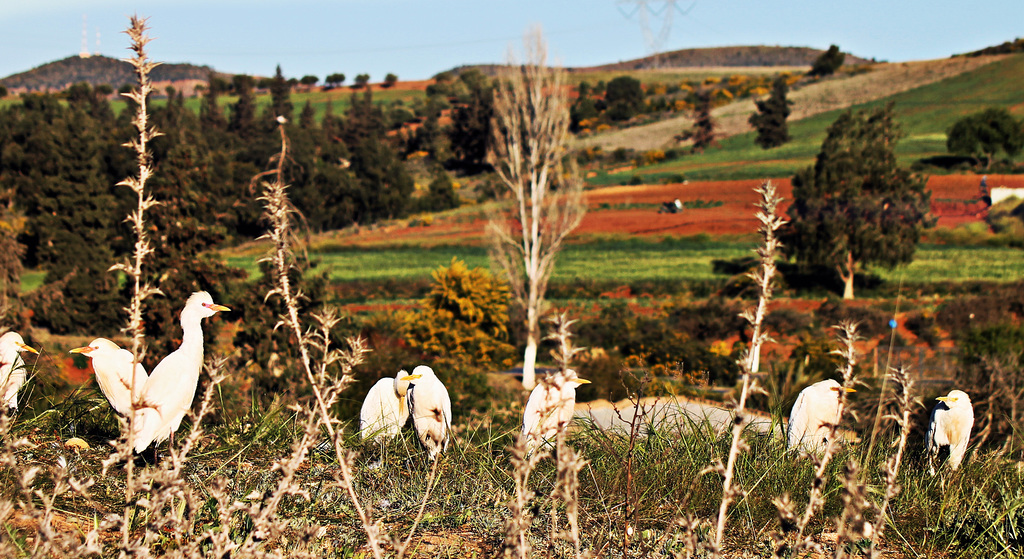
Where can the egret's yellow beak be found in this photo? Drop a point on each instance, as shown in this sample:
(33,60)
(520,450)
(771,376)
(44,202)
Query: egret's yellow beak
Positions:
(945,399)
(215,307)
(841,389)
(411,377)
(582,381)
(27,348)
(86,349)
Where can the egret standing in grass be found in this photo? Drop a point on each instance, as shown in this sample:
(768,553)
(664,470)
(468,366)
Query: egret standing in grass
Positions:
(950,425)
(12,367)
(550,408)
(815,412)
(168,393)
(384,410)
(431,410)
(113,367)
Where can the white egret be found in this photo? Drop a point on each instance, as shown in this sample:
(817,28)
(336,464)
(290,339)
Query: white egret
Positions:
(950,425)
(431,410)
(168,393)
(113,367)
(384,410)
(12,367)
(815,412)
(550,408)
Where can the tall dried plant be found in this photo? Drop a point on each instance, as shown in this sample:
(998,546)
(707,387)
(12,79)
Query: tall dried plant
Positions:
(804,544)
(531,132)
(904,406)
(137,33)
(768,216)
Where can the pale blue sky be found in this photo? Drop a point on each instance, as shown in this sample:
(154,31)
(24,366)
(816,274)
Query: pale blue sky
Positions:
(416,39)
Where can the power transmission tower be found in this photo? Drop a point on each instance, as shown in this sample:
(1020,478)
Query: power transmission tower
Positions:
(645,11)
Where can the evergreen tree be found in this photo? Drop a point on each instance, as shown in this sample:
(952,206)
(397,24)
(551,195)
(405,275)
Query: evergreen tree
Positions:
(855,206)
(184,230)
(243,112)
(441,193)
(307,118)
(60,161)
(470,133)
(210,114)
(703,131)
(771,115)
(985,133)
(828,63)
(280,97)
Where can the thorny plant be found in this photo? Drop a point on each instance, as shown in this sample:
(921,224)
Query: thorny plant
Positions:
(770,223)
(904,405)
(133,268)
(802,542)
(529,450)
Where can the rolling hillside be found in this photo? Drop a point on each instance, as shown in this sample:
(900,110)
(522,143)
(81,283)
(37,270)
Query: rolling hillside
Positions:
(97,70)
(815,98)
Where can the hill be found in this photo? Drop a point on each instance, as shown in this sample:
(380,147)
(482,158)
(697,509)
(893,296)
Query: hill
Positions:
(742,56)
(845,90)
(712,57)
(98,70)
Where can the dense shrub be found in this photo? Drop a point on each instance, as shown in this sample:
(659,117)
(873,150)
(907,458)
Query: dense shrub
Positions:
(871,321)
(714,319)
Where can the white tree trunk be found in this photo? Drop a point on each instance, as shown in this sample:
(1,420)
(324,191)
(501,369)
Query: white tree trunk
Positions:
(530,363)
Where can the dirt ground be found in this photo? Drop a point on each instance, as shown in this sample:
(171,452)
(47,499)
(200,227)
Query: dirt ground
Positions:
(955,201)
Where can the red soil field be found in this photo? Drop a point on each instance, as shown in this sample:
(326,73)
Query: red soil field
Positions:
(955,200)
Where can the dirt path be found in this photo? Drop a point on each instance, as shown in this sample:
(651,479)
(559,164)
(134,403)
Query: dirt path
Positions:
(884,80)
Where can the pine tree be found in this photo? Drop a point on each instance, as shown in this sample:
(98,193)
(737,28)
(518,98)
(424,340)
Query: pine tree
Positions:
(770,120)
(703,132)
(855,206)
(210,114)
(280,97)
(61,162)
(243,112)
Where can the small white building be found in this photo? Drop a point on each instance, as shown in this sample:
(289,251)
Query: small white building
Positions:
(1001,193)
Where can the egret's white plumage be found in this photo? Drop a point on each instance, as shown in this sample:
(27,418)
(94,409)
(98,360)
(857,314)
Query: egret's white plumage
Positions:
(431,410)
(113,367)
(950,425)
(815,412)
(168,393)
(384,410)
(12,367)
(550,408)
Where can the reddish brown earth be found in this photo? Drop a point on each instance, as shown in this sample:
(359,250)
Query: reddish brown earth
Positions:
(955,201)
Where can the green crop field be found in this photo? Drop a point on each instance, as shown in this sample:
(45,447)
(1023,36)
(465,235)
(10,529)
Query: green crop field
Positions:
(633,260)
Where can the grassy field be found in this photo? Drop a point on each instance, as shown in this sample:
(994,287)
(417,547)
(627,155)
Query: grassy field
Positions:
(925,114)
(631,260)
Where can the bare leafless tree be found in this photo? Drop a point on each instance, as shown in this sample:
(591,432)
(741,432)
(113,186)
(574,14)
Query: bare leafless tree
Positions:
(531,127)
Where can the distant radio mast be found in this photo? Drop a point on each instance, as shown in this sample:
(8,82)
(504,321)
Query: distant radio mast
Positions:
(645,10)
(84,53)
(97,52)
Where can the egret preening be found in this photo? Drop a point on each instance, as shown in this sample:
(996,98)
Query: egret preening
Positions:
(168,393)
(950,425)
(12,367)
(550,408)
(113,367)
(815,412)
(384,410)
(431,410)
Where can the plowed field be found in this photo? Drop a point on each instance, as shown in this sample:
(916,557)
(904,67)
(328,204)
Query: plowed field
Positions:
(633,210)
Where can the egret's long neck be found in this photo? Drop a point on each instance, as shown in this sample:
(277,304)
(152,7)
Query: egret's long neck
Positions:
(192,335)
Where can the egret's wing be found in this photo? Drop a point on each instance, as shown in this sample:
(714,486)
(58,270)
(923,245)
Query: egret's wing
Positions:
(798,419)
(531,415)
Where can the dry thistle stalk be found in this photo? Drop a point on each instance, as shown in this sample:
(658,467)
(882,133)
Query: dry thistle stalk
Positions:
(770,223)
(905,384)
(568,462)
(847,338)
(137,32)
(278,212)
